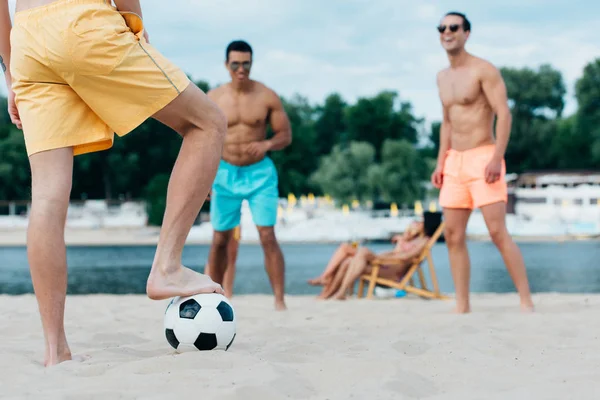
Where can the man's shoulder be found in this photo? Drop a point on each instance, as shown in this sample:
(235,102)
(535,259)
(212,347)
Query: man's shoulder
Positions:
(265,92)
(483,66)
(442,73)
(261,88)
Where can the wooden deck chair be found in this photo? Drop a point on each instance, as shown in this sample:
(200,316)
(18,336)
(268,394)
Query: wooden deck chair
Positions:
(407,283)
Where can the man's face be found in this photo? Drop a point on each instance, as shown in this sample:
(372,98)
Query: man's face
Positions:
(452,35)
(238,65)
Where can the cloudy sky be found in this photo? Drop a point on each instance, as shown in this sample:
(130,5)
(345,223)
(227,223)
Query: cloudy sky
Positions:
(359,47)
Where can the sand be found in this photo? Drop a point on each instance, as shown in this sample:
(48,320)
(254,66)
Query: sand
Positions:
(380,349)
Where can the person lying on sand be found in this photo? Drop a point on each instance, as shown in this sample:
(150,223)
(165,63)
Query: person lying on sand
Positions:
(348,250)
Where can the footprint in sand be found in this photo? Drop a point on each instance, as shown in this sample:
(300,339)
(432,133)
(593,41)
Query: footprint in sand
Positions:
(411,385)
(411,349)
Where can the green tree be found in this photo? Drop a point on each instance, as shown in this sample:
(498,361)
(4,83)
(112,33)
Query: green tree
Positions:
(587,92)
(343,173)
(376,119)
(401,173)
(536,97)
(330,126)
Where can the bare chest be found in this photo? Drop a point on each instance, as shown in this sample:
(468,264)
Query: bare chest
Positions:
(247,110)
(459,88)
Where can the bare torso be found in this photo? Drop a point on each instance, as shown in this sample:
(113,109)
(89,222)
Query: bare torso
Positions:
(247,115)
(469,112)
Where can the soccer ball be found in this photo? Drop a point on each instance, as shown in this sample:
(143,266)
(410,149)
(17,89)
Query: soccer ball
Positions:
(201,322)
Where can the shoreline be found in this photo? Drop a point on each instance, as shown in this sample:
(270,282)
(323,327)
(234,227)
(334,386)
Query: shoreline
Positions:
(148,236)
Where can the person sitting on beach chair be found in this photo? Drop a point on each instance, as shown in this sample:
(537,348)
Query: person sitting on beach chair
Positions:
(348,250)
(408,245)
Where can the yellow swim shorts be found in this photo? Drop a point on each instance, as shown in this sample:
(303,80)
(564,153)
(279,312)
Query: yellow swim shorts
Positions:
(83,71)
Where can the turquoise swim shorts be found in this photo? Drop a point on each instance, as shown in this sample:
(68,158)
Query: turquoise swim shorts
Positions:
(256,183)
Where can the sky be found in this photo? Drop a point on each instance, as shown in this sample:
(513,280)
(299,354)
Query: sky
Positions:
(360,47)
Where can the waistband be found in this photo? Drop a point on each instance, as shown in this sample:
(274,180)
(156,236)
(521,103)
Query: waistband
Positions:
(485,149)
(54,7)
(264,163)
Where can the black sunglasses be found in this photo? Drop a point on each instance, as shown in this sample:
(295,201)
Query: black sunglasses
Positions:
(234,65)
(453,28)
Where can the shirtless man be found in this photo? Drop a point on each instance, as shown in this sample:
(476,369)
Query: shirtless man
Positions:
(76,73)
(246,173)
(470,166)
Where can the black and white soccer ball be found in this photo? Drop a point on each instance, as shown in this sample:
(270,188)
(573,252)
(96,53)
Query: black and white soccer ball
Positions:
(201,322)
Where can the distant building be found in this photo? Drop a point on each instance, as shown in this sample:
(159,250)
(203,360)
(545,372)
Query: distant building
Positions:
(568,195)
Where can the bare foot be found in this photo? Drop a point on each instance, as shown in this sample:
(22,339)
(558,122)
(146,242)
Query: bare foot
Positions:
(181,282)
(280,305)
(315,281)
(58,353)
(462,310)
(527,307)
(56,357)
(340,295)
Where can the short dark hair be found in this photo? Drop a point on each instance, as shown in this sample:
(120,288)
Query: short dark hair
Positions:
(466,23)
(238,45)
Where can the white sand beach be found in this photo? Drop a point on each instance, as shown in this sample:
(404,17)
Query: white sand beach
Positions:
(362,349)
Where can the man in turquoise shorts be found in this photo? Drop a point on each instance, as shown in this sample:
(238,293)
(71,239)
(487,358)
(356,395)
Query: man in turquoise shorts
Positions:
(245,172)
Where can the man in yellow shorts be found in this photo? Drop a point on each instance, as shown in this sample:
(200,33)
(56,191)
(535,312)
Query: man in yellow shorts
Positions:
(77,71)
(470,168)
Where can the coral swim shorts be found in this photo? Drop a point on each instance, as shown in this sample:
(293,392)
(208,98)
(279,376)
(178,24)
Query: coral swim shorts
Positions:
(82,71)
(464,184)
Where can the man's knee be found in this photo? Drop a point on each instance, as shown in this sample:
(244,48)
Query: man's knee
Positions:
(498,233)
(210,118)
(267,237)
(454,236)
(221,239)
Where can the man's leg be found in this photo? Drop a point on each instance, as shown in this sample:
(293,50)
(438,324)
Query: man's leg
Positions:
(495,219)
(202,126)
(456,220)
(274,264)
(218,256)
(51,178)
(229,277)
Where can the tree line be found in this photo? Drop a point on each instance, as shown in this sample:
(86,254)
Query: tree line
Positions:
(373,149)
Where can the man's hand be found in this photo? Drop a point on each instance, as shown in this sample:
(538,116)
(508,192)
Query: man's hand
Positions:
(493,170)
(12,109)
(437,177)
(258,149)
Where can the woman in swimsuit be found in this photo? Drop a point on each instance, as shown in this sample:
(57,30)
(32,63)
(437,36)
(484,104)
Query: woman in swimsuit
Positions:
(351,264)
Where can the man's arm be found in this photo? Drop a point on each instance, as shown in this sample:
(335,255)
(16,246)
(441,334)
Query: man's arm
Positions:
(444,133)
(5,27)
(279,123)
(494,90)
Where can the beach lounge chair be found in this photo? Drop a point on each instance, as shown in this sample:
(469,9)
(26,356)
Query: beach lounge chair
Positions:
(407,282)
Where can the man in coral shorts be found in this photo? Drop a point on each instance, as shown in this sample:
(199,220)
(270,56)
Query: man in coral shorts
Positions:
(77,71)
(470,167)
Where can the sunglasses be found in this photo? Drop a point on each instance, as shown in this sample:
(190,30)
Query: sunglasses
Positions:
(453,28)
(235,65)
